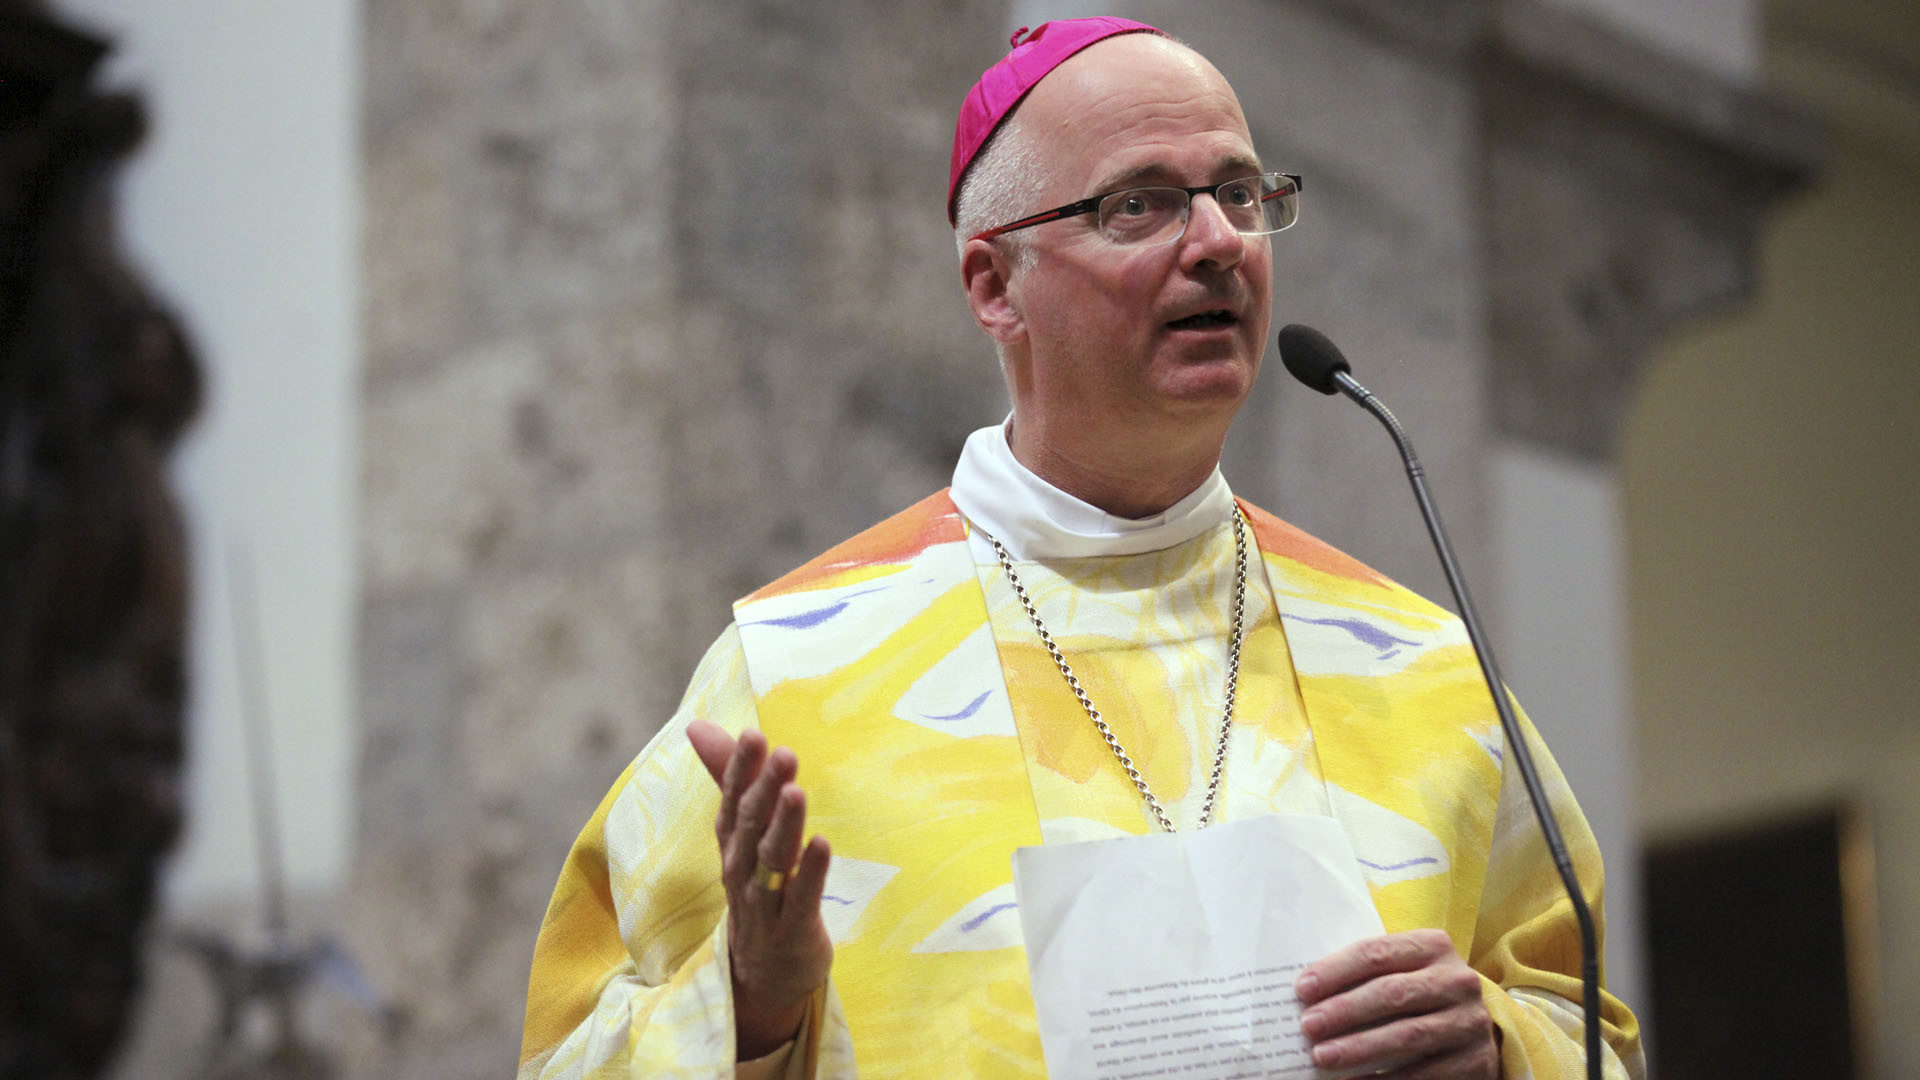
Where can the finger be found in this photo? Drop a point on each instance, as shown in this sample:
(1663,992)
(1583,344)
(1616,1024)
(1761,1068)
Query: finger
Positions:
(742,767)
(713,746)
(1369,959)
(809,882)
(1409,1039)
(1471,1061)
(755,811)
(1433,988)
(780,846)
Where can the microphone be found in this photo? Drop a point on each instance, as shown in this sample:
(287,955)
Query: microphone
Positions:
(1317,362)
(1311,357)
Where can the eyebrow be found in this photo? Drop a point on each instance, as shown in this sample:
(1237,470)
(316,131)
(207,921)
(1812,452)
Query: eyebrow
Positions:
(1232,167)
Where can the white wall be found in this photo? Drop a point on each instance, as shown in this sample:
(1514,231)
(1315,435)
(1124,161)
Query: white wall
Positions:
(1559,624)
(241,212)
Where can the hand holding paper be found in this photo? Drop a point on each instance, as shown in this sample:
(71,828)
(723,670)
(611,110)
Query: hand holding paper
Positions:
(1176,955)
(1400,997)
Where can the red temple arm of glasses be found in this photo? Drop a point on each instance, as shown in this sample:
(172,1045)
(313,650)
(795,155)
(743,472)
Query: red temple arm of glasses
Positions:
(1037,219)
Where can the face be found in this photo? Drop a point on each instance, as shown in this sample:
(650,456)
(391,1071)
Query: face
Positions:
(1115,342)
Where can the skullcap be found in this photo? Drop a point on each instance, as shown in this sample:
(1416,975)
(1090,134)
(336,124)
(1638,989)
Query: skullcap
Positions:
(1003,85)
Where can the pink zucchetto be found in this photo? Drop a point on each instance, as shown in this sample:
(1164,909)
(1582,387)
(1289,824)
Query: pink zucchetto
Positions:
(1002,86)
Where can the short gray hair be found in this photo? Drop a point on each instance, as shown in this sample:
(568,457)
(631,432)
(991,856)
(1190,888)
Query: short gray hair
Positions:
(999,186)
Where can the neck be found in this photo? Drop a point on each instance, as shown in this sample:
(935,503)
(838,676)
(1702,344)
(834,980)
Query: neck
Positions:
(1127,480)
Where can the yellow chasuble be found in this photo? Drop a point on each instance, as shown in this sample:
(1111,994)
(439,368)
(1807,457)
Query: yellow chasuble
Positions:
(936,735)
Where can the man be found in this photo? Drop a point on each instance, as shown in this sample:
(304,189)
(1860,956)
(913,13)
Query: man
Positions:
(1085,638)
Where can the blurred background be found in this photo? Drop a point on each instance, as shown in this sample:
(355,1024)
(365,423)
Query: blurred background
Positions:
(397,393)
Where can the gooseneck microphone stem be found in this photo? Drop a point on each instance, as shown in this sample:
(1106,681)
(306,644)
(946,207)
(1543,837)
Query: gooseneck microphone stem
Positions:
(1523,759)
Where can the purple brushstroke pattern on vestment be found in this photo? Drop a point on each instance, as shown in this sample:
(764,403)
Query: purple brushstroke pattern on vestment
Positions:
(1422,860)
(973,924)
(972,707)
(807,620)
(1365,632)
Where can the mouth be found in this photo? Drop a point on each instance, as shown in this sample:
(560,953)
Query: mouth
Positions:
(1216,319)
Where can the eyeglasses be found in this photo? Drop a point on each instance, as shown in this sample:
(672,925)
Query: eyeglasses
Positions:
(1145,216)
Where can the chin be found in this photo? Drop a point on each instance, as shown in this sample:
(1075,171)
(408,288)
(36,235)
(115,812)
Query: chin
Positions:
(1223,375)
(1209,386)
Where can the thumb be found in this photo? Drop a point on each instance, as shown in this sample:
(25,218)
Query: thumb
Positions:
(712,745)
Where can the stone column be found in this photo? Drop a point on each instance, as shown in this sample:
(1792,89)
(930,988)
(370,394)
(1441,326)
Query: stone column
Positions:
(661,302)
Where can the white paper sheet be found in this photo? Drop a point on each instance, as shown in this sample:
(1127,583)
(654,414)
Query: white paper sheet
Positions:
(1175,955)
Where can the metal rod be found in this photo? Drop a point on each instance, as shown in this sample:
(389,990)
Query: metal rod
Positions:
(257,728)
(1523,758)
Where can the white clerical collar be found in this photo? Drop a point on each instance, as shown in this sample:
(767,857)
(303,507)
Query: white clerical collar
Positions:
(1036,520)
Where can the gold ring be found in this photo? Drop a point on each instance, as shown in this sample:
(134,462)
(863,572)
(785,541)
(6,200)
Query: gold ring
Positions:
(768,878)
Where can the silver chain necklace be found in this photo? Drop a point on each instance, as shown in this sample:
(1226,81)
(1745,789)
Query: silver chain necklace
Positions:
(1113,742)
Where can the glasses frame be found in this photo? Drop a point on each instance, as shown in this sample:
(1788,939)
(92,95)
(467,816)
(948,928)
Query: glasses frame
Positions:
(1091,205)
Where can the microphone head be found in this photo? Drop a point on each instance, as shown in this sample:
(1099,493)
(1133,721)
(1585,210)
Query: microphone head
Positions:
(1311,357)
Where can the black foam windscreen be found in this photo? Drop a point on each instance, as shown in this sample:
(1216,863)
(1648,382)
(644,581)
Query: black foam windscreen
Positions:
(1311,356)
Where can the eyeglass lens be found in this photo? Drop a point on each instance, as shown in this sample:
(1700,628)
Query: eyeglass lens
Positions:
(1255,205)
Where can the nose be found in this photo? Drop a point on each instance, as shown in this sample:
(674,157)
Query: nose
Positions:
(1210,239)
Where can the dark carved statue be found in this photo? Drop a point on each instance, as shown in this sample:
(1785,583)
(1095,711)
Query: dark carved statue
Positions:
(96,383)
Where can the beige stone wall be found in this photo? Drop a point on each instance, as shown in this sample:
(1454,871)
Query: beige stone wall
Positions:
(1767,478)
(1771,512)
(519,286)
(659,303)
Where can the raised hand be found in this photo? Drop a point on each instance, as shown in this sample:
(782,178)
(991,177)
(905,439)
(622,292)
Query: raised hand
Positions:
(779,945)
(1404,1003)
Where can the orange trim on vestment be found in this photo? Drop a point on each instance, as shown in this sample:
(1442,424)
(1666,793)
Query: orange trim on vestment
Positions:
(930,521)
(1276,537)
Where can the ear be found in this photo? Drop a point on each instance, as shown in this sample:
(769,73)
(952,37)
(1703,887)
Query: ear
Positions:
(988,275)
